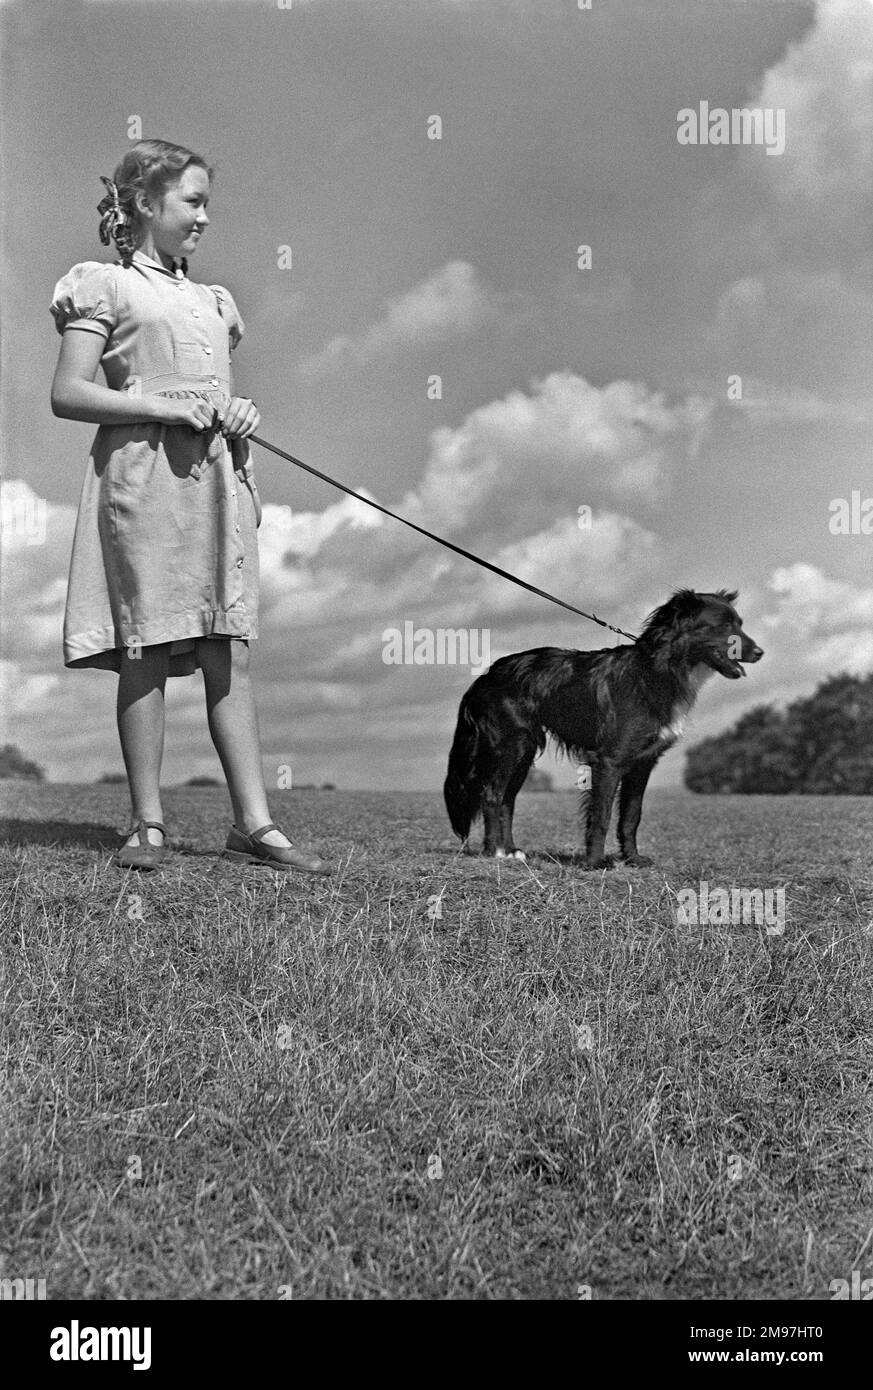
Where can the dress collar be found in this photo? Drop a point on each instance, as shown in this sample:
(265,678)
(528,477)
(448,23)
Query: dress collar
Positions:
(175,274)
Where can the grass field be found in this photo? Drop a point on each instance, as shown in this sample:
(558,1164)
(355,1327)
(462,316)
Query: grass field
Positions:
(434,1076)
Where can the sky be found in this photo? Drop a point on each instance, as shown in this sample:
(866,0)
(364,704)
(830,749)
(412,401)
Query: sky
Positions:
(703,386)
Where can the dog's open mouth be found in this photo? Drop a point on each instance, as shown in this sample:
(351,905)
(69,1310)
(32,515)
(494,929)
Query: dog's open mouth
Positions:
(727,666)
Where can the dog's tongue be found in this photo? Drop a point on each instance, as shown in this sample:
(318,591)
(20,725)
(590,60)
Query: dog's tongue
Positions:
(742,668)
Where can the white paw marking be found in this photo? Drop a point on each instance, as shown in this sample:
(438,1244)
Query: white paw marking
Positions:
(520,854)
(500,854)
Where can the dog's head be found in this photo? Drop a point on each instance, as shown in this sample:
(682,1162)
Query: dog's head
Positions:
(700,629)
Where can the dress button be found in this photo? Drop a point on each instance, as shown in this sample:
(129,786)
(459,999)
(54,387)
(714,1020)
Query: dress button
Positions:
(213,381)
(208,351)
(239,562)
(196,313)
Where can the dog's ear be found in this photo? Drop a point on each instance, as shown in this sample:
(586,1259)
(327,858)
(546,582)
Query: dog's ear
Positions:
(684,604)
(681,604)
(729,595)
(667,632)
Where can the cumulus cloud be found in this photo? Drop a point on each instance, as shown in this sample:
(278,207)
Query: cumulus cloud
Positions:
(285,533)
(825,84)
(37,538)
(803,218)
(586,566)
(450,303)
(829,622)
(522,460)
(513,474)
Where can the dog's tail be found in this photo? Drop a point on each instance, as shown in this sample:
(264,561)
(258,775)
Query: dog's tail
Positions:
(463,785)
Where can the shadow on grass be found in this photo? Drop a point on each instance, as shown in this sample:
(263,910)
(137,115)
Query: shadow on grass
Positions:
(84,835)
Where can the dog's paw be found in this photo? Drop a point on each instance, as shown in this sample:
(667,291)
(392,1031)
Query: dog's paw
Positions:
(638,861)
(605,861)
(519,854)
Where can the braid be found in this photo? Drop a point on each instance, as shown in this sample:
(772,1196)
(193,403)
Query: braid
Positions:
(126,242)
(149,166)
(116,222)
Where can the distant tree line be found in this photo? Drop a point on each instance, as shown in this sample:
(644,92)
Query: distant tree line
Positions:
(822,744)
(205,781)
(14,764)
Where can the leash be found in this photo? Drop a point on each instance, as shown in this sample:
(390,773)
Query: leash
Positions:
(477,559)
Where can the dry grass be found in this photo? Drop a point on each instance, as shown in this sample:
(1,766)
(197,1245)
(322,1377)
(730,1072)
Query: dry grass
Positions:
(613,1101)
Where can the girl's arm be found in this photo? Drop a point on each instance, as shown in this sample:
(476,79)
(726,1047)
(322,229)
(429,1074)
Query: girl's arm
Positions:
(77,396)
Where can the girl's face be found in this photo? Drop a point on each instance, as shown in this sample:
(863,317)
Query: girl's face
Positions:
(177,220)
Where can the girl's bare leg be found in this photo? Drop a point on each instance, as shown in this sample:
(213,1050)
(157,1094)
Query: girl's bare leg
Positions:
(140,713)
(233,724)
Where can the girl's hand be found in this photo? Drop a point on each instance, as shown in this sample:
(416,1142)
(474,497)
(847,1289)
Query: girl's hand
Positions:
(196,413)
(241,419)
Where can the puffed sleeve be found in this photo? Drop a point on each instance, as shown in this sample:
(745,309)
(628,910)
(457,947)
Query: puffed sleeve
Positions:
(230,313)
(86,298)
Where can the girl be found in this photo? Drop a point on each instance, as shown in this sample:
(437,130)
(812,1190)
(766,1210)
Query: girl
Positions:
(164,569)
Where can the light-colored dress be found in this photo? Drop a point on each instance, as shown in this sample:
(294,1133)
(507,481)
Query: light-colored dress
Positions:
(165,546)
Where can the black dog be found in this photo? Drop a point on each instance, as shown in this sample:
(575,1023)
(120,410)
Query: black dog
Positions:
(616,710)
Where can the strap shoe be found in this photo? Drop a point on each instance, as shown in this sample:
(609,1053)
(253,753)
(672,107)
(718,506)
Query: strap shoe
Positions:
(250,849)
(143,855)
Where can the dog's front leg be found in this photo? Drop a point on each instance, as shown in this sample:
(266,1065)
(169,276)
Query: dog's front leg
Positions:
(604,784)
(491,802)
(630,808)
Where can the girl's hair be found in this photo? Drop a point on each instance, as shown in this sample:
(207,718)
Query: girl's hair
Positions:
(150,166)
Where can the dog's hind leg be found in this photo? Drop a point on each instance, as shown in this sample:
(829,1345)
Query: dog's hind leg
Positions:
(599,809)
(630,808)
